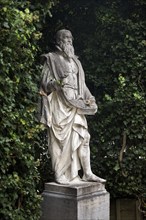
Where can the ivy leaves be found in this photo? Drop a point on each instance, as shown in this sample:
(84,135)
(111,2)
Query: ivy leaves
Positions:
(20,32)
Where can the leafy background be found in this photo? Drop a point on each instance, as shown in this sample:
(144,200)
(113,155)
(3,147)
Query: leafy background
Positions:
(110,40)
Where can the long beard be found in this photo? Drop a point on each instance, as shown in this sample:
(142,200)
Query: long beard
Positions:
(68,49)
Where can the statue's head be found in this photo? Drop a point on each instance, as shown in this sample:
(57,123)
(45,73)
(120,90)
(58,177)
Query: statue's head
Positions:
(64,40)
(64,36)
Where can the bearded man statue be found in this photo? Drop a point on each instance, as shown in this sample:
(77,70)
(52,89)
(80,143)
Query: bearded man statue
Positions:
(65,102)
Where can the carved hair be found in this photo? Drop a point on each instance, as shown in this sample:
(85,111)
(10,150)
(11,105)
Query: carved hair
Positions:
(60,34)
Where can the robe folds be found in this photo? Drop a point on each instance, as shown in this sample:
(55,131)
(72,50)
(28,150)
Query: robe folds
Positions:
(63,111)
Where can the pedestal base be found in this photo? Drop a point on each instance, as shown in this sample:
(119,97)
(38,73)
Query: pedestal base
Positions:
(86,201)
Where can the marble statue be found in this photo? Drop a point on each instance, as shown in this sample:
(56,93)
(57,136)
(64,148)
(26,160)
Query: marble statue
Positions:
(65,100)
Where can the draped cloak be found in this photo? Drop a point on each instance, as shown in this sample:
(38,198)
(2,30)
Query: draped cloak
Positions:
(64,115)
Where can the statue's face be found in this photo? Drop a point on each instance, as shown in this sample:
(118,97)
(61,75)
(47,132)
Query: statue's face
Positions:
(67,38)
(64,41)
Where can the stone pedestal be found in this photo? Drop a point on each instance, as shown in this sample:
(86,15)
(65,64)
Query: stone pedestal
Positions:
(86,201)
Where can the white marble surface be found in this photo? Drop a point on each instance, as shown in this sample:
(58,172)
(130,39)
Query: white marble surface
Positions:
(65,102)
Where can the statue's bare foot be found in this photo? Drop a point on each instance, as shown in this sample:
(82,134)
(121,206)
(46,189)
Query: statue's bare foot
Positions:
(62,180)
(93,178)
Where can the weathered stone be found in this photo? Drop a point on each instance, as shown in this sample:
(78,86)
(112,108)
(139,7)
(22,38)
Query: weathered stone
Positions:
(65,100)
(84,201)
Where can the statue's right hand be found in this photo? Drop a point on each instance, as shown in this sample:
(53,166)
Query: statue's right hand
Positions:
(55,84)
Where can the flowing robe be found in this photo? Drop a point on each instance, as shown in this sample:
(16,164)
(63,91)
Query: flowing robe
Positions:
(63,111)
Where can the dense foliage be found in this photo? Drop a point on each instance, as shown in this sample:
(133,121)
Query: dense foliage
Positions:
(110,39)
(20,24)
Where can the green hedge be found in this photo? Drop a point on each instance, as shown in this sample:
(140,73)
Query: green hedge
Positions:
(20,26)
